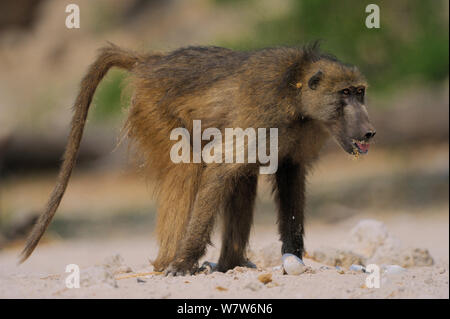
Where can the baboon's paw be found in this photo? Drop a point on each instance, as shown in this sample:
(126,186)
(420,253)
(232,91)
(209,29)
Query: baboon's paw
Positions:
(180,269)
(208,267)
(249,264)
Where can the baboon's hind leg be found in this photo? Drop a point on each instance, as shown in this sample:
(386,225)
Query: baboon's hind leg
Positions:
(215,188)
(176,198)
(238,218)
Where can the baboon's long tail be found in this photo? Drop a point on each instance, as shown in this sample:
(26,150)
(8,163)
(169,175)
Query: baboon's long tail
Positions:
(110,56)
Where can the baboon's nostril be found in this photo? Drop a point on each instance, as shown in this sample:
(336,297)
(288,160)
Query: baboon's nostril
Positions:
(370,134)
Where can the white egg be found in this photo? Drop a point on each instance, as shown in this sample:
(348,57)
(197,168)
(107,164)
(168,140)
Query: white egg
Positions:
(293,265)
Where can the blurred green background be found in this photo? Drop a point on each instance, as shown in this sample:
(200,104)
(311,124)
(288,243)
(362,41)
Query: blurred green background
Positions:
(410,47)
(411,43)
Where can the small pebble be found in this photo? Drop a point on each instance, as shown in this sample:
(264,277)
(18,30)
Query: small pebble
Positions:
(265,278)
(140,281)
(340,270)
(357,268)
(292,265)
(393,269)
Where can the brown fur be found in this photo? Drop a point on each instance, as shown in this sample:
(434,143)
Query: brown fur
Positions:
(108,57)
(293,89)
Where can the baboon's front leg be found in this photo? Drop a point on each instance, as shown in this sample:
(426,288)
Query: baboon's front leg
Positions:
(211,195)
(289,188)
(238,218)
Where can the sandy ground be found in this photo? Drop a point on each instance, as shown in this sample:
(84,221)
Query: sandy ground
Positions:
(114,259)
(108,267)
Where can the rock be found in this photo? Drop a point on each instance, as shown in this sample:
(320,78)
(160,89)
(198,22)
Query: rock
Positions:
(418,257)
(371,239)
(293,265)
(367,236)
(265,278)
(405,257)
(337,257)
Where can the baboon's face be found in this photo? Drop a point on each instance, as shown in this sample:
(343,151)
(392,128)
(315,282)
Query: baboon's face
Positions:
(337,98)
(351,127)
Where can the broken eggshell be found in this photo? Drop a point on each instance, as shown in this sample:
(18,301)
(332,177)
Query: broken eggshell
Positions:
(292,265)
(393,269)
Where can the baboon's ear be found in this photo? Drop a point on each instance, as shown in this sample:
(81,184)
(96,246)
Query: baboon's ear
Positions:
(315,79)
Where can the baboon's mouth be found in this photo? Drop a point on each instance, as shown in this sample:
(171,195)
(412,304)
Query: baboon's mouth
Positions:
(360,147)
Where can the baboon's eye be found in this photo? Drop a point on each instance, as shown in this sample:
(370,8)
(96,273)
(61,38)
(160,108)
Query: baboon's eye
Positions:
(360,91)
(346,91)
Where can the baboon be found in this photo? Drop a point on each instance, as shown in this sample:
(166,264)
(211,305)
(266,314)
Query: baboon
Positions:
(308,95)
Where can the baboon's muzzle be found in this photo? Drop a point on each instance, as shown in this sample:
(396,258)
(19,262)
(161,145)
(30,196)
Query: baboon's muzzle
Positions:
(353,131)
(362,145)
